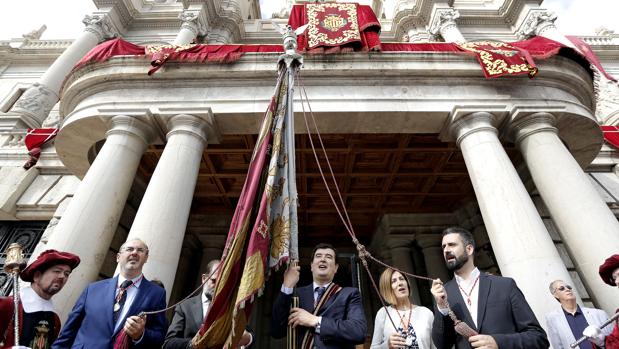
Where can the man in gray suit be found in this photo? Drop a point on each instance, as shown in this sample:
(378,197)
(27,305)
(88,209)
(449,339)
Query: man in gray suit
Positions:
(567,324)
(189,315)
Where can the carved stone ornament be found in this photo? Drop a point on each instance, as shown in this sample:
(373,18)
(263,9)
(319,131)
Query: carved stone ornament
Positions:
(607,97)
(36,102)
(191,21)
(99,25)
(443,19)
(536,23)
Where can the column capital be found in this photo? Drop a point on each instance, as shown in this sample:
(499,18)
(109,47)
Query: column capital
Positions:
(35,104)
(443,19)
(100,25)
(194,21)
(464,124)
(426,241)
(529,124)
(537,22)
(188,124)
(132,125)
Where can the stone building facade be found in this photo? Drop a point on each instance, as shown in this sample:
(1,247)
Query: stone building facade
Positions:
(419,142)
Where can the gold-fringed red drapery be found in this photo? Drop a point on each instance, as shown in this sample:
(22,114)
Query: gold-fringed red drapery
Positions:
(500,58)
(336,27)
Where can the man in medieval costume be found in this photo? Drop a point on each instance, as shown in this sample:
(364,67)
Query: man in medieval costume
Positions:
(39,324)
(609,272)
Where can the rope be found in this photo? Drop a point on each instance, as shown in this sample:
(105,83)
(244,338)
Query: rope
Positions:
(144,313)
(460,327)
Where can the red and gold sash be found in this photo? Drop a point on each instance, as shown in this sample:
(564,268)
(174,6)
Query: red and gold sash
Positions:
(332,290)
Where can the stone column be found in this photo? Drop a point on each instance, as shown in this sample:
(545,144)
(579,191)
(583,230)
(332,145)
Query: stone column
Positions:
(89,222)
(162,217)
(433,256)
(444,23)
(37,101)
(542,23)
(192,26)
(586,224)
(521,243)
(401,259)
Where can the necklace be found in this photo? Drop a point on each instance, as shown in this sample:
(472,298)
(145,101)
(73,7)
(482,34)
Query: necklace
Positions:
(468,294)
(408,320)
(122,291)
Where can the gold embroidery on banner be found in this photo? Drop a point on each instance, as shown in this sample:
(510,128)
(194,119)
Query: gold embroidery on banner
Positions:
(495,66)
(333,22)
(150,49)
(315,37)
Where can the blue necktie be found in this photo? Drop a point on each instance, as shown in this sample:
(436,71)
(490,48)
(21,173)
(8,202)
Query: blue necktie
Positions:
(319,292)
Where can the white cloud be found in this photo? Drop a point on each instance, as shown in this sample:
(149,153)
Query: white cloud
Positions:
(63,18)
(582,17)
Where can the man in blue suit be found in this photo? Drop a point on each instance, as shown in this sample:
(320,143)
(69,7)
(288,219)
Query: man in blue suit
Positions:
(328,316)
(108,306)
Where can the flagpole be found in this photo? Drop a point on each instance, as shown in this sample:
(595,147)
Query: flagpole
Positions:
(293,61)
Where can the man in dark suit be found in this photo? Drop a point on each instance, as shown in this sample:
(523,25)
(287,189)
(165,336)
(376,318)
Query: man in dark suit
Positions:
(328,315)
(108,306)
(189,316)
(493,306)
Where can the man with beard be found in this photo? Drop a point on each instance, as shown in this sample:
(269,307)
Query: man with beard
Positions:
(108,306)
(189,315)
(328,316)
(493,306)
(39,323)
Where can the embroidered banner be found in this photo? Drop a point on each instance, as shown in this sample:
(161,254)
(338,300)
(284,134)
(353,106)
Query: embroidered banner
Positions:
(499,58)
(336,27)
(332,24)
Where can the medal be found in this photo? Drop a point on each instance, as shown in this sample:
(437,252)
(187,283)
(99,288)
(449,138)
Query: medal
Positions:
(116,307)
(409,341)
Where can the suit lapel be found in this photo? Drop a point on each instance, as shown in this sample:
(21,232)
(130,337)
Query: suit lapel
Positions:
(110,300)
(457,303)
(137,301)
(482,298)
(565,328)
(197,310)
(306,298)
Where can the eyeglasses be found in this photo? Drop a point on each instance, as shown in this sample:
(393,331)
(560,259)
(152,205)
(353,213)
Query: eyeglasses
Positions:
(133,249)
(563,288)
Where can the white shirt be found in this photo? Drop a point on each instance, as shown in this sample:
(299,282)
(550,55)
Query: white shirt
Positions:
(471,285)
(421,319)
(205,304)
(32,302)
(132,291)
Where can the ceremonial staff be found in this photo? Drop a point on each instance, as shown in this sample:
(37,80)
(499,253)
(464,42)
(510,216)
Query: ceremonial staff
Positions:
(14,264)
(606,323)
(293,61)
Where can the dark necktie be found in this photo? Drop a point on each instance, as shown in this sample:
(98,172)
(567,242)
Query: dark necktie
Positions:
(121,298)
(319,292)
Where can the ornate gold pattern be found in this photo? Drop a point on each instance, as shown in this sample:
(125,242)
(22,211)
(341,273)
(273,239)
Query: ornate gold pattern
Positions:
(495,66)
(316,37)
(150,49)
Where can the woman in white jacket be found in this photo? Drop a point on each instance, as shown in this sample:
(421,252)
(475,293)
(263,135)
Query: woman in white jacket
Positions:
(413,323)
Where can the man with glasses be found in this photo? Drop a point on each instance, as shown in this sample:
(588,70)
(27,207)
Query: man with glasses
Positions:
(108,306)
(189,315)
(567,324)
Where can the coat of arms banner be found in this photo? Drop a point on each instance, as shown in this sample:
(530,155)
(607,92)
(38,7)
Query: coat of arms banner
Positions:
(332,24)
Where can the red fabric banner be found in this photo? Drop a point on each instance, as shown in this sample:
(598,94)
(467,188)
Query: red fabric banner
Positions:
(611,135)
(499,58)
(332,27)
(586,51)
(537,47)
(34,140)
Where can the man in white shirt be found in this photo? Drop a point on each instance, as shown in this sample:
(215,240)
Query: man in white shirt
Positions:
(492,306)
(189,315)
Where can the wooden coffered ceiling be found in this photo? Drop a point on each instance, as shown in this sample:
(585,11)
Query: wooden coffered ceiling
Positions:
(376,174)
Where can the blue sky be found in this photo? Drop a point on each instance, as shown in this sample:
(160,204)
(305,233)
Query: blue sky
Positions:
(21,16)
